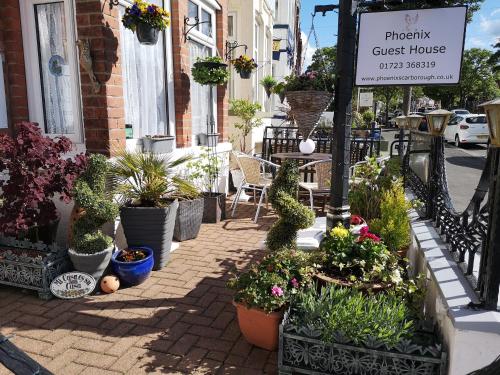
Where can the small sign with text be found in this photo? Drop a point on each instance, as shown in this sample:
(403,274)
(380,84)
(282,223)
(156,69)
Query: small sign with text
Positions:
(411,47)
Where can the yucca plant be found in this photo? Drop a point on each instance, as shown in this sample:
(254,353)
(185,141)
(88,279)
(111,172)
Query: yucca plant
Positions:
(148,179)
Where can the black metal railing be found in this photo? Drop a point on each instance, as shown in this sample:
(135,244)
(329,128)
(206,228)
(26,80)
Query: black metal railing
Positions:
(278,139)
(467,233)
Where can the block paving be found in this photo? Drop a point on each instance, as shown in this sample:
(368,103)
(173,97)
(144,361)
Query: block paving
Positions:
(180,321)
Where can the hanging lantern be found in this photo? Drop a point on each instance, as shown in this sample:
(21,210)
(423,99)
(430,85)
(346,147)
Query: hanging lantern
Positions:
(492,110)
(413,121)
(437,121)
(401,122)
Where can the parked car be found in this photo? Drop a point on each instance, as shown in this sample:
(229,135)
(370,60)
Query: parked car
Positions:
(465,129)
(460,111)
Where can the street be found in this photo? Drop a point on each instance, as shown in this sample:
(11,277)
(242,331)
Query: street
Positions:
(463,169)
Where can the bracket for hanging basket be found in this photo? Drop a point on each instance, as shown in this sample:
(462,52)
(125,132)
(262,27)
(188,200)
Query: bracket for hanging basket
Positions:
(190,26)
(231,46)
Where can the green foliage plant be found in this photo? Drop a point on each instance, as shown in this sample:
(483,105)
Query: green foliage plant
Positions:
(368,117)
(270,284)
(394,224)
(203,171)
(95,209)
(345,315)
(365,192)
(359,260)
(148,179)
(268,82)
(292,214)
(215,72)
(307,81)
(246,111)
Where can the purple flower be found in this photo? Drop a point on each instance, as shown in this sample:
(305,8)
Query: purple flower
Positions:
(135,10)
(294,283)
(276,291)
(151,9)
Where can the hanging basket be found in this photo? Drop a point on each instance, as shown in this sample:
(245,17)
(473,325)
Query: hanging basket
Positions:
(268,90)
(282,96)
(245,74)
(210,73)
(307,107)
(146,34)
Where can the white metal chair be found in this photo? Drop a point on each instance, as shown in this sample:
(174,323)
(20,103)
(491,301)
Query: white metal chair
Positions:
(323,176)
(255,178)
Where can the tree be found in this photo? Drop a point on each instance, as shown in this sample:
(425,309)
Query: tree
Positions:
(478,82)
(246,111)
(494,60)
(389,95)
(324,62)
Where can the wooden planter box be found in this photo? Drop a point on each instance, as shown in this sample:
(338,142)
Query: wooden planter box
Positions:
(301,351)
(31,266)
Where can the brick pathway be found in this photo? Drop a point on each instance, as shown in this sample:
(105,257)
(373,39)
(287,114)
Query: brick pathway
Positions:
(181,321)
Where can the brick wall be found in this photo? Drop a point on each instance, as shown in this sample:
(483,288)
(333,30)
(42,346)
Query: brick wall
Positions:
(11,43)
(103,113)
(182,74)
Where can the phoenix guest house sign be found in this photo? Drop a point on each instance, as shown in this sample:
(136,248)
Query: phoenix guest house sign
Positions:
(411,47)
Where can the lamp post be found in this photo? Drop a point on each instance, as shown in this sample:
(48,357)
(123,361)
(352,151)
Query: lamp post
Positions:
(490,261)
(413,121)
(437,121)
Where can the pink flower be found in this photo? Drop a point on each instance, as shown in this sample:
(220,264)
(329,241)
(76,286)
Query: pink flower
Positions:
(294,283)
(356,220)
(276,291)
(364,234)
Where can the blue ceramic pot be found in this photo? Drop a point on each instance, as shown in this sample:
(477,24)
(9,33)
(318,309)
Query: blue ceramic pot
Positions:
(133,273)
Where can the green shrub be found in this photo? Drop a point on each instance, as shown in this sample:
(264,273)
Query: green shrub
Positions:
(292,214)
(347,315)
(394,224)
(270,284)
(364,192)
(368,117)
(390,172)
(97,209)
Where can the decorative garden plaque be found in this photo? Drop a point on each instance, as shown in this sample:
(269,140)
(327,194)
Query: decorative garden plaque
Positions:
(72,285)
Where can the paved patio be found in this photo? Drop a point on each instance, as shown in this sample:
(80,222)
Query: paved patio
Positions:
(181,321)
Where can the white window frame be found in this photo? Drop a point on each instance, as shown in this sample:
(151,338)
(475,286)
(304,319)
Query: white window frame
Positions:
(234,15)
(32,65)
(4,119)
(169,76)
(210,42)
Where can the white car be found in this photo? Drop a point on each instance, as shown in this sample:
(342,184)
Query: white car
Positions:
(460,111)
(465,129)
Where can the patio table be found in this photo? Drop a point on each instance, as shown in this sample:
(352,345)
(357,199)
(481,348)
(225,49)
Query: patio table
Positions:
(316,156)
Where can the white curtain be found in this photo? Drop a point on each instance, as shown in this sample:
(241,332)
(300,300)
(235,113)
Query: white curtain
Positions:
(55,71)
(143,69)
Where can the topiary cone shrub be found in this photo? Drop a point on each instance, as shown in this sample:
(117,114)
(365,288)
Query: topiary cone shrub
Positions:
(95,208)
(292,214)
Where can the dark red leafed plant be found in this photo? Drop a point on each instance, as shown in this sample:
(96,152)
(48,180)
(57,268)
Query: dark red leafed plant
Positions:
(34,171)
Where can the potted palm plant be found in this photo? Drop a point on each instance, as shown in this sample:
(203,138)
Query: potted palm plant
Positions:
(244,65)
(91,249)
(146,20)
(262,293)
(146,184)
(210,70)
(268,82)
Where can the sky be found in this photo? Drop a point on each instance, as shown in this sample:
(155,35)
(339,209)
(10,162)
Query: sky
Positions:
(481,32)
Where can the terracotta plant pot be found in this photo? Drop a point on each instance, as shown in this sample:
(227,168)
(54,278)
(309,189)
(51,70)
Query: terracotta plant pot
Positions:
(258,327)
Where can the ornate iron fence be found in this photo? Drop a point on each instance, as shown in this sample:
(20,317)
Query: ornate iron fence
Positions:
(467,233)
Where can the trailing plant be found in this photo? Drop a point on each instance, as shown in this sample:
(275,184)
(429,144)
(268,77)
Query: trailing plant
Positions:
(203,171)
(148,179)
(292,214)
(268,82)
(210,70)
(95,207)
(308,81)
(345,315)
(244,63)
(146,13)
(35,172)
(394,224)
(358,259)
(270,284)
(246,111)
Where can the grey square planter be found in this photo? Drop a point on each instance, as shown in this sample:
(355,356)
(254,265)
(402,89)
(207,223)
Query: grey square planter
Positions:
(188,221)
(301,351)
(158,145)
(214,207)
(152,227)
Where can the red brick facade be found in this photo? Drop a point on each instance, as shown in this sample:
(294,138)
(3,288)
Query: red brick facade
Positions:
(103,113)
